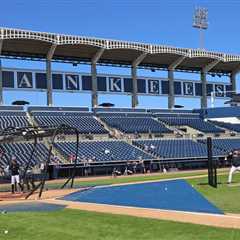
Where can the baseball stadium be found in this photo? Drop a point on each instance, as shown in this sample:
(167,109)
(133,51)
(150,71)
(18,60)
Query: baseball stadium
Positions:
(101,168)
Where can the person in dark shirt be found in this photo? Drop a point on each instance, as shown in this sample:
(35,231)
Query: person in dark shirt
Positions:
(235,157)
(29,180)
(14,169)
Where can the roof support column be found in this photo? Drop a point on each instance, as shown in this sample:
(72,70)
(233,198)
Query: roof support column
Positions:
(135,64)
(49,82)
(171,68)
(233,81)
(171,99)
(1,76)
(204,89)
(94,77)
(204,72)
(134,86)
(94,85)
(49,74)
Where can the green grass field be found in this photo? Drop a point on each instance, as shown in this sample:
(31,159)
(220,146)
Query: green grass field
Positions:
(75,224)
(224,197)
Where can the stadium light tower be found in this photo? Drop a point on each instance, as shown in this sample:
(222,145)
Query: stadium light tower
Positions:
(200,21)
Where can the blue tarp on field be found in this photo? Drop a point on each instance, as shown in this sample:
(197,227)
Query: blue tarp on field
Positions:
(169,195)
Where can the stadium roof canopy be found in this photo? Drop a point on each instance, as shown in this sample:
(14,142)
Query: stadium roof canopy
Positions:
(33,45)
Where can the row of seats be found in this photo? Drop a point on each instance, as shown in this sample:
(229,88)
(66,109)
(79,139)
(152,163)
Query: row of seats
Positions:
(85,124)
(128,122)
(102,151)
(133,115)
(196,123)
(13,119)
(224,144)
(136,125)
(22,152)
(177,115)
(176,149)
(13,113)
(61,113)
(230,126)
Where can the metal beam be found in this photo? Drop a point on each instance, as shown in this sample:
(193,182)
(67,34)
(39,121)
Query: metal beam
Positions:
(51,52)
(135,64)
(134,86)
(94,85)
(204,89)
(139,59)
(171,99)
(1,45)
(49,74)
(1,77)
(178,61)
(49,82)
(1,83)
(233,81)
(98,55)
(204,72)
(171,68)
(94,61)
(210,66)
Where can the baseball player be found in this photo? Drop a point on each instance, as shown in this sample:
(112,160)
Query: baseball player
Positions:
(14,169)
(235,156)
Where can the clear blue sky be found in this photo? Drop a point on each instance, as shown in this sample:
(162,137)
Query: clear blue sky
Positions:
(166,22)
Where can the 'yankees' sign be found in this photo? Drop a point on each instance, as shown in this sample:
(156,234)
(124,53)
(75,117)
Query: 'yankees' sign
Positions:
(17,79)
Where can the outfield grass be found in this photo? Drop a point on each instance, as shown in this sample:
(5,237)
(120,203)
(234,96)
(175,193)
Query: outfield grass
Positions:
(75,224)
(224,197)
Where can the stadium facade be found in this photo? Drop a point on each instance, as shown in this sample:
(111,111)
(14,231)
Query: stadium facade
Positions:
(49,47)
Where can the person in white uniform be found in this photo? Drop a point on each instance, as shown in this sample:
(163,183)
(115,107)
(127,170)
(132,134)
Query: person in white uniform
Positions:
(235,157)
(14,169)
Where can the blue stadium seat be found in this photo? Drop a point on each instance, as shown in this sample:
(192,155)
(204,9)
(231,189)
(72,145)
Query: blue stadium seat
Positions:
(230,126)
(13,119)
(102,151)
(176,148)
(83,121)
(196,123)
(135,123)
(22,152)
(224,144)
